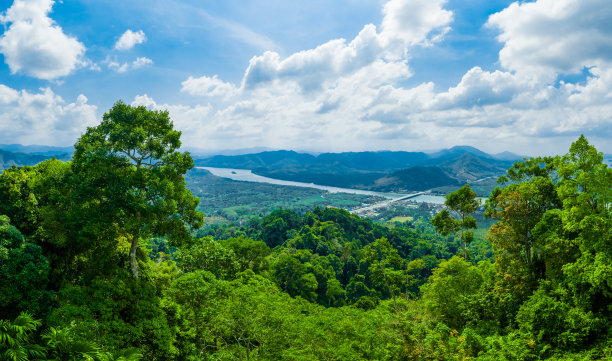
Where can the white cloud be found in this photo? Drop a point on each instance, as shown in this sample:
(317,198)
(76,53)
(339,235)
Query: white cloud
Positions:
(547,37)
(8,95)
(35,45)
(412,22)
(405,23)
(192,121)
(141,61)
(207,86)
(43,117)
(479,88)
(129,39)
(124,67)
(348,95)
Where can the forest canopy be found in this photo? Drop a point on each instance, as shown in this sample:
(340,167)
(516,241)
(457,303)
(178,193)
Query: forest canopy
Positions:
(104,258)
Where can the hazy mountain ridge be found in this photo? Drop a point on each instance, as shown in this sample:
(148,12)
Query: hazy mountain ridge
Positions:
(29,155)
(47,150)
(9,159)
(381,171)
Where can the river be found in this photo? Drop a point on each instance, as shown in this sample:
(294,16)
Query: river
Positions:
(248,176)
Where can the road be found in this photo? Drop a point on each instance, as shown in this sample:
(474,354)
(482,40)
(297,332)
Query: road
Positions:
(385,203)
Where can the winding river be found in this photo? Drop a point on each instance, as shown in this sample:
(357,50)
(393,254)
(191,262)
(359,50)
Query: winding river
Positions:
(246,175)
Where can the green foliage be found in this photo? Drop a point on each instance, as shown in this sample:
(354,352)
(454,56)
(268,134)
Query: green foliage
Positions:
(24,274)
(450,291)
(16,339)
(17,197)
(463,203)
(209,255)
(18,343)
(324,284)
(121,311)
(129,169)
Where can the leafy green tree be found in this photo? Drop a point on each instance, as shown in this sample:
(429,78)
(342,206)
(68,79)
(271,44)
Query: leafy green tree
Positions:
(18,199)
(552,249)
(412,267)
(130,171)
(449,289)
(463,203)
(119,311)
(24,274)
(385,267)
(209,255)
(250,254)
(335,293)
(519,206)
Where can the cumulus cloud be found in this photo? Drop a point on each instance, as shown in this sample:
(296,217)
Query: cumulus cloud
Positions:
(35,45)
(412,22)
(405,23)
(129,39)
(43,117)
(141,61)
(207,86)
(349,95)
(124,67)
(548,37)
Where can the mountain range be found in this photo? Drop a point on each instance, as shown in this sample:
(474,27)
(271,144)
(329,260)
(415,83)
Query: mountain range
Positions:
(386,171)
(19,155)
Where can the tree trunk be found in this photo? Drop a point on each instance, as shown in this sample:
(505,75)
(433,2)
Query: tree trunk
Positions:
(133,260)
(389,287)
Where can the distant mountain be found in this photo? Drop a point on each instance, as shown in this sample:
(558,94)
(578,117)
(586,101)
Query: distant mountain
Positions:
(468,168)
(270,159)
(372,161)
(414,179)
(363,161)
(383,171)
(459,151)
(47,150)
(508,156)
(203,153)
(9,159)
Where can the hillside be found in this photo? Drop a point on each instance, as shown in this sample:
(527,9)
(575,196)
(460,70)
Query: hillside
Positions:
(9,159)
(382,171)
(29,155)
(415,179)
(48,150)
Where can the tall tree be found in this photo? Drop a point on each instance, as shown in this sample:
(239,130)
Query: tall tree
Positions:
(463,203)
(129,170)
(528,191)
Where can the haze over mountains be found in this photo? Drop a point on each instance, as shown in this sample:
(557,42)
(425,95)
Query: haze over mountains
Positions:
(381,171)
(19,155)
(385,171)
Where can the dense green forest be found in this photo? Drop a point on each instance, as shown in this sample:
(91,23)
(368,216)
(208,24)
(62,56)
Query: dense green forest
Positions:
(104,257)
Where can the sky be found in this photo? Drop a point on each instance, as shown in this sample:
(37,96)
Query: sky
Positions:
(320,76)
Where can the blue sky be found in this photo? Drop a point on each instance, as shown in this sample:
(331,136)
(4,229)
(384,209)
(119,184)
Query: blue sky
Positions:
(344,75)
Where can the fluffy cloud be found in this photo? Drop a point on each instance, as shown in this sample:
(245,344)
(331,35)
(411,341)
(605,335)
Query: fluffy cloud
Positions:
(412,22)
(207,86)
(548,37)
(141,61)
(35,45)
(21,119)
(405,23)
(124,67)
(129,39)
(349,95)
